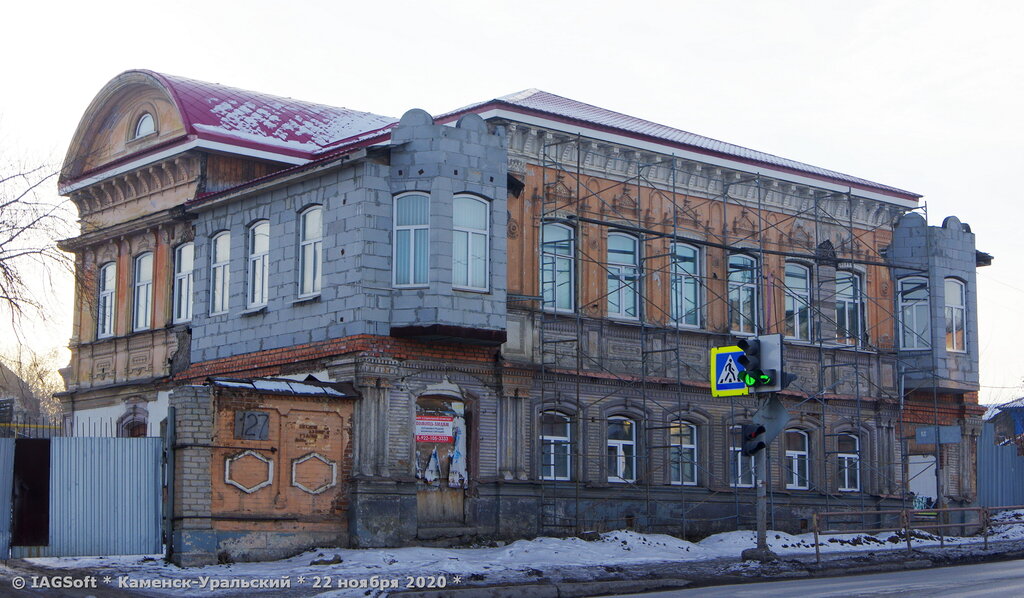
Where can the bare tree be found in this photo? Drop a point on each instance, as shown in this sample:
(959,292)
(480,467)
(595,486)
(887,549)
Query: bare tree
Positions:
(32,219)
(34,382)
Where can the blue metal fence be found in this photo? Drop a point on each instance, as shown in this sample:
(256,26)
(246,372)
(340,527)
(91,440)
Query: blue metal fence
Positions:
(1000,471)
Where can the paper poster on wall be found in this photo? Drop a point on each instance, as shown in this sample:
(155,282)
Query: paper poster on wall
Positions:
(434,428)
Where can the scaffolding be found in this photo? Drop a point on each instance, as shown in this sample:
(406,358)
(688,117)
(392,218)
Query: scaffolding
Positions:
(663,201)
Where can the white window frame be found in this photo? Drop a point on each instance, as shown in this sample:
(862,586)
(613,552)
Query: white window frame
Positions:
(106,304)
(850,306)
(142,292)
(138,131)
(678,449)
(794,459)
(849,462)
(258,270)
(548,442)
(618,275)
(466,261)
(685,286)
(798,303)
(954,312)
(553,263)
(915,314)
(220,275)
(310,252)
(745,293)
(183,283)
(412,230)
(619,446)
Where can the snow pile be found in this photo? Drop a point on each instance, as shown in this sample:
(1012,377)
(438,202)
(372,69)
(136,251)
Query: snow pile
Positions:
(524,560)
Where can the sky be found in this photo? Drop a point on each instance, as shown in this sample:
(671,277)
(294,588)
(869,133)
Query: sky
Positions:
(918,95)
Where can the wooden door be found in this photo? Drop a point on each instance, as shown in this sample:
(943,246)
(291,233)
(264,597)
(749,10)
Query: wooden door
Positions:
(441,461)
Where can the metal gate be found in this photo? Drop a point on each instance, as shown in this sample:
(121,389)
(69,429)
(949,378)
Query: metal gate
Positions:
(104,497)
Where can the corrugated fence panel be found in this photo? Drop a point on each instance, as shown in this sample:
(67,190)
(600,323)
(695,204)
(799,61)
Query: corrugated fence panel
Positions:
(6,480)
(105,496)
(1000,472)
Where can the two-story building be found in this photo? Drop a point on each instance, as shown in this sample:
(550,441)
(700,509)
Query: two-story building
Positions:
(496,322)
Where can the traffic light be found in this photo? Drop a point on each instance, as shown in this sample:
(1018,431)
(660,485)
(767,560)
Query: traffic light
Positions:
(762,362)
(753,439)
(756,373)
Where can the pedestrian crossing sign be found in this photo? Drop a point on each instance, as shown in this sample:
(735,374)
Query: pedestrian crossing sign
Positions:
(726,378)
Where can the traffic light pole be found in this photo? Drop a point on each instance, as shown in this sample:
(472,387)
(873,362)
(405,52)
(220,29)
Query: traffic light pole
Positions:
(762,501)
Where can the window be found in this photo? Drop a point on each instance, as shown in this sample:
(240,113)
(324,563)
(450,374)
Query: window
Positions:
(956,315)
(310,250)
(557,275)
(105,302)
(683,441)
(848,308)
(556,445)
(797,460)
(741,467)
(184,259)
(623,276)
(621,449)
(146,125)
(915,332)
(742,294)
(257,247)
(470,226)
(220,260)
(798,302)
(849,463)
(142,307)
(685,286)
(412,217)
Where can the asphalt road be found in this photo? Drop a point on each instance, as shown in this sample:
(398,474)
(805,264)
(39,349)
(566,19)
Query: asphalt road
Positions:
(1003,579)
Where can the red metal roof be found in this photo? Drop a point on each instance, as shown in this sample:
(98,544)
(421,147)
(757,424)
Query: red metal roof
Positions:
(261,121)
(308,131)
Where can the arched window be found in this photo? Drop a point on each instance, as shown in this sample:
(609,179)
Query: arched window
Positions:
(849,307)
(142,306)
(220,274)
(742,294)
(105,300)
(134,422)
(956,316)
(145,125)
(621,449)
(310,250)
(915,332)
(470,242)
(412,244)
(741,467)
(184,260)
(258,248)
(798,459)
(849,462)
(556,446)
(685,285)
(683,442)
(623,276)
(798,302)
(558,267)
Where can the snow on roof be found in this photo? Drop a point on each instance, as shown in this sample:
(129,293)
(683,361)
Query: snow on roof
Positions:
(993,410)
(549,103)
(262,121)
(305,130)
(289,387)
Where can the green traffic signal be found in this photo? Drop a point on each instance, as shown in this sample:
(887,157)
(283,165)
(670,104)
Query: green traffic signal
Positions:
(758,377)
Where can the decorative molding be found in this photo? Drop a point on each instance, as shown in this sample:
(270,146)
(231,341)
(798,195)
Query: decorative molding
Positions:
(333,481)
(248,489)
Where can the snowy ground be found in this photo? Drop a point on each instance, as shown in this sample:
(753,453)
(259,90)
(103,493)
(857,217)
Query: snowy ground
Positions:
(515,562)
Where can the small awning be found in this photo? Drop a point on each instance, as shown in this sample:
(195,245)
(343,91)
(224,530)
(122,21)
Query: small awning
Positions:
(282,386)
